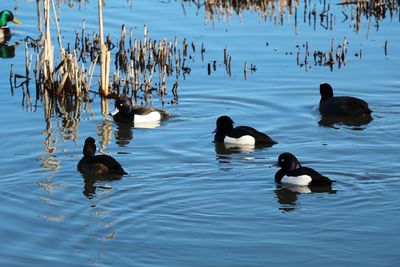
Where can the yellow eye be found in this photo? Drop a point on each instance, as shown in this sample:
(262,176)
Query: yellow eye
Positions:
(121,104)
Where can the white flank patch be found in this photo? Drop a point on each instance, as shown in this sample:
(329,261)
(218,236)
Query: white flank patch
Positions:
(147,125)
(152,116)
(296,180)
(244,140)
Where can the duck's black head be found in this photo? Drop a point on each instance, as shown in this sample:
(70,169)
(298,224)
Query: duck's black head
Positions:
(224,123)
(288,161)
(326,91)
(124,105)
(89,149)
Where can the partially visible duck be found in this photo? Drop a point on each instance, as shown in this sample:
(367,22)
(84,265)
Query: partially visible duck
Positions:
(292,172)
(127,113)
(92,164)
(346,106)
(240,135)
(5,17)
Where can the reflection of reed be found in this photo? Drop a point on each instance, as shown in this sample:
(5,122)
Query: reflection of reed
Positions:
(272,10)
(277,10)
(104,130)
(63,115)
(375,10)
(222,9)
(67,114)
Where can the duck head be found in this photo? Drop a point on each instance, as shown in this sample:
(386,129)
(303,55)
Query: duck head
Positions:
(287,161)
(123,105)
(89,149)
(224,124)
(326,91)
(7,16)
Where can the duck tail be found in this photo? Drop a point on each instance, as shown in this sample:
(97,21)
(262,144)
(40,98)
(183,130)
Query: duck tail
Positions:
(322,181)
(325,181)
(119,171)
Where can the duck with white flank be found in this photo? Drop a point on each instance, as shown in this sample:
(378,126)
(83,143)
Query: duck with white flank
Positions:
(293,173)
(240,135)
(127,113)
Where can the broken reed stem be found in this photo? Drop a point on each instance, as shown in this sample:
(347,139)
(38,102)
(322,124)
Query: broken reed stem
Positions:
(26,60)
(386,42)
(91,70)
(104,64)
(39,17)
(245,71)
(57,27)
(48,50)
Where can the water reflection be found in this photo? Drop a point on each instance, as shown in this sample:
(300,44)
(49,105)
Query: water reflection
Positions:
(228,149)
(354,122)
(225,153)
(67,114)
(287,195)
(90,184)
(312,13)
(7,51)
(63,115)
(124,133)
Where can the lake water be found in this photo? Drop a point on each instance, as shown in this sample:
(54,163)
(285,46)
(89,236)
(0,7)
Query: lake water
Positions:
(186,202)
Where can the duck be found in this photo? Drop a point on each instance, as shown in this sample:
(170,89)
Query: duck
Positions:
(293,173)
(125,112)
(343,106)
(92,164)
(240,135)
(5,17)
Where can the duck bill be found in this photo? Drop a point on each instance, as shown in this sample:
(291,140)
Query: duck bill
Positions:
(16,21)
(114,112)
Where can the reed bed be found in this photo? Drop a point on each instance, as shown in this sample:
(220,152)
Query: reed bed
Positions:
(142,67)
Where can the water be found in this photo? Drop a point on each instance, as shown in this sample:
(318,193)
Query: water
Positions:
(185,202)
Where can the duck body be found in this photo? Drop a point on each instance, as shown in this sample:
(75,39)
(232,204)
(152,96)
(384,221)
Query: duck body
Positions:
(293,173)
(343,106)
(5,17)
(5,35)
(125,112)
(92,164)
(240,135)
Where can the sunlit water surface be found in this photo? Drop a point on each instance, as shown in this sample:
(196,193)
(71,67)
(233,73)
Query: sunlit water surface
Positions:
(186,202)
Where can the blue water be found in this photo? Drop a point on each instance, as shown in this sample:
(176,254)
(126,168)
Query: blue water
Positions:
(185,202)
